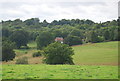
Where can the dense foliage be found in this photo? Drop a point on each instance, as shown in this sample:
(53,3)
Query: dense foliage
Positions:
(57,53)
(74,32)
(20,37)
(73,40)
(84,29)
(44,39)
(7,50)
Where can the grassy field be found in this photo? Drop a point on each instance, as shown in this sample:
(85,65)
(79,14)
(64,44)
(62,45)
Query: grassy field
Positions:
(92,61)
(96,54)
(59,72)
(88,54)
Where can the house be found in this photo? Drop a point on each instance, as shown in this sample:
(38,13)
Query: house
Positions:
(59,39)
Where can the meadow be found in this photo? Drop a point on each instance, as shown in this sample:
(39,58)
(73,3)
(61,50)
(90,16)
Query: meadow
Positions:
(59,72)
(105,53)
(92,61)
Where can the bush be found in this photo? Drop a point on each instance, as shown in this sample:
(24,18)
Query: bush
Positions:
(26,52)
(57,53)
(38,53)
(23,60)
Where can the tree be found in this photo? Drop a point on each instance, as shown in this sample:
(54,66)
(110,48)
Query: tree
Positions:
(73,40)
(6,32)
(116,34)
(7,50)
(32,21)
(107,35)
(76,32)
(44,39)
(94,37)
(20,37)
(89,22)
(17,22)
(57,33)
(45,23)
(57,53)
(55,22)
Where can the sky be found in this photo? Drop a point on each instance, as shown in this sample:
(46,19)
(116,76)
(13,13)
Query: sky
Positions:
(96,10)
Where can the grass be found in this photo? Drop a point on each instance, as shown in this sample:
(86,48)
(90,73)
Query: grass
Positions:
(105,53)
(98,53)
(92,61)
(59,72)
(32,44)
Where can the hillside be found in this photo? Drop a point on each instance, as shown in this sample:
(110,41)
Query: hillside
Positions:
(92,61)
(105,53)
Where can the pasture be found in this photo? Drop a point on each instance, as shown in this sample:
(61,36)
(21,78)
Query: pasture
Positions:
(92,61)
(105,53)
(59,72)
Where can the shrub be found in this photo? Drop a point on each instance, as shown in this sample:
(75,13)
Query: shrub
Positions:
(26,52)
(57,53)
(23,60)
(38,53)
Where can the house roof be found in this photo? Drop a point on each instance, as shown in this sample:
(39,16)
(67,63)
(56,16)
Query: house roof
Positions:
(59,38)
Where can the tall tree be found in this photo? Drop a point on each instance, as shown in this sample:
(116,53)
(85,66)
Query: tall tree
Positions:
(20,37)
(44,39)
(32,21)
(107,35)
(94,37)
(7,50)
(45,23)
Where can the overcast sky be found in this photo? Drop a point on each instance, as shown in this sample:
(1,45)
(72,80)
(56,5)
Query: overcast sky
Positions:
(96,10)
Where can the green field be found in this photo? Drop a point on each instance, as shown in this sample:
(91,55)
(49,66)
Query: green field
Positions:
(92,61)
(96,54)
(59,72)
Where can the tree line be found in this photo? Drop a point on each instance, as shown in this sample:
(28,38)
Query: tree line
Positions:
(17,33)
